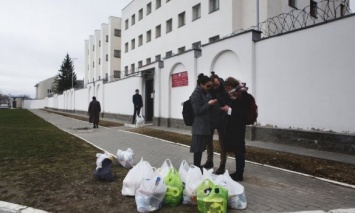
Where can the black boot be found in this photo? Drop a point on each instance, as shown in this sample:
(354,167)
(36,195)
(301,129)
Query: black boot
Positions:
(208,165)
(221,169)
(237,176)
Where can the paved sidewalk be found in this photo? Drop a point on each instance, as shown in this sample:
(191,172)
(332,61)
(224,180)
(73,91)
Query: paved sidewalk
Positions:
(267,189)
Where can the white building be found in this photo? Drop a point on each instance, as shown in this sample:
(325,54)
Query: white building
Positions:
(103,53)
(44,88)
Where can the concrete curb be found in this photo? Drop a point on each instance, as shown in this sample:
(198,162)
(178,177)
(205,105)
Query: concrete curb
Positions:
(6,207)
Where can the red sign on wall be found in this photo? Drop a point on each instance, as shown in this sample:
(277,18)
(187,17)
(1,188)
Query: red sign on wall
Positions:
(179,79)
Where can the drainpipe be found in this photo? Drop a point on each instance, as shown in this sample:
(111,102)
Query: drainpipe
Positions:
(257,16)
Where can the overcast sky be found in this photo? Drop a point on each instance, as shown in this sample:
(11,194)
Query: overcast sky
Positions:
(35,36)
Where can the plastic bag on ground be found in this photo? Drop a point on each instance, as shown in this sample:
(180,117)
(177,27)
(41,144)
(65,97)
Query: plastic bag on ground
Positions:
(125,158)
(183,169)
(174,188)
(211,197)
(139,121)
(149,196)
(134,177)
(165,168)
(236,193)
(193,180)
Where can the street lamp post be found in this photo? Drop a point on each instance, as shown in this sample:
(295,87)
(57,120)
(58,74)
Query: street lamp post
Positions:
(72,76)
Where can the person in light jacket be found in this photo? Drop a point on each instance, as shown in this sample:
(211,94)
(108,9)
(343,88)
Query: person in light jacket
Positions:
(201,127)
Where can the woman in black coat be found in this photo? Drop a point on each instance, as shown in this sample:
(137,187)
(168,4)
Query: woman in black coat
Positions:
(201,126)
(235,131)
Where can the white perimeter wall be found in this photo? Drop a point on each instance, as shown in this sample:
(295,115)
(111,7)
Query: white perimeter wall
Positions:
(300,80)
(306,79)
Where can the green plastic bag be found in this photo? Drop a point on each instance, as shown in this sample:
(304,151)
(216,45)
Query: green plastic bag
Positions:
(174,188)
(211,198)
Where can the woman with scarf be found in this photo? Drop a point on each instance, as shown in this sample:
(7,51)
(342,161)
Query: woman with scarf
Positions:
(202,103)
(235,131)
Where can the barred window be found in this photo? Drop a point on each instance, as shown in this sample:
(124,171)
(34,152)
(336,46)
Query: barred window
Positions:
(313,8)
(292,3)
(117,53)
(117,33)
(149,36)
(181,50)
(140,40)
(214,5)
(181,19)
(158,31)
(196,12)
(157,57)
(157,4)
(140,14)
(149,8)
(169,54)
(214,38)
(169,25)
(196,45)
(133,19)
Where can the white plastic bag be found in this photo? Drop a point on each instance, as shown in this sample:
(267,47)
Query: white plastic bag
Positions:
(125,158)
(150,195)
(100,157)
(183,169)
(236,193)
(139,121)
(134,177)
(193,180)
(165,168)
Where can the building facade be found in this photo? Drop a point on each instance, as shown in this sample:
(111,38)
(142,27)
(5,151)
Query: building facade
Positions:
(44,88)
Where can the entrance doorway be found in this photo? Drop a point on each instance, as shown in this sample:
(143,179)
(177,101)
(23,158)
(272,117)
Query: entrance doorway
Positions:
(149,99)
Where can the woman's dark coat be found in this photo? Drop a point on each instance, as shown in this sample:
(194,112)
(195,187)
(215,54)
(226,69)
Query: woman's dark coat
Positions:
(202,121)
(94,112)
(235,132)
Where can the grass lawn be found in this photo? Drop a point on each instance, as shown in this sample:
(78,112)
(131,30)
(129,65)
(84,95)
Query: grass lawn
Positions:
(46,168)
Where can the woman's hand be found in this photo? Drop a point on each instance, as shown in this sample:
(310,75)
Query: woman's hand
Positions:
(212,102)
(225,108)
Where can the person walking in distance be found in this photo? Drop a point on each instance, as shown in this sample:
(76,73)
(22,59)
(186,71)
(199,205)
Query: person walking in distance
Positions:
(218,122)
(138,104)
(94,112)
(236,124)
(202,103)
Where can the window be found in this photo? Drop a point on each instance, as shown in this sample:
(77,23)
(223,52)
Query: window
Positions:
(132,68)
(214,5)
(99,61)
(169,25)
(181,50)
(140,63)
(117,33)
(106,38)
(342,10)
(93,64)
(167,0)
(126,24)
(196,45)
(126,70)
(117,74)
(157,4)
(169,54)
(100,43)
(149,8)
(196,12)
(106,57)
(93,47)
(148,61)
(117,53)
(149,36)
(140,14)
(158,31)
(133,19)
(313,9)
(214,38)
(292,3)
(126,47)
(181,19)
(157,57)
(140,40)
(133,44)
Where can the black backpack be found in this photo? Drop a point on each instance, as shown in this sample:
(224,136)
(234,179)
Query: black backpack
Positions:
(188,112)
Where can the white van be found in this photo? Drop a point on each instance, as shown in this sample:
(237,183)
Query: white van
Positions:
(4,106)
